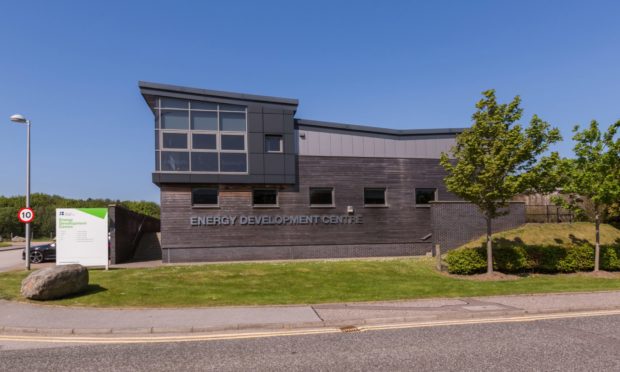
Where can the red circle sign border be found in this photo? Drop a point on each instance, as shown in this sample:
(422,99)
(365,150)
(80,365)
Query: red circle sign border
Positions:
(19,215)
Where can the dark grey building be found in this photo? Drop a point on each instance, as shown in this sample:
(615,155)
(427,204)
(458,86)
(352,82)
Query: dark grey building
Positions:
(241,178)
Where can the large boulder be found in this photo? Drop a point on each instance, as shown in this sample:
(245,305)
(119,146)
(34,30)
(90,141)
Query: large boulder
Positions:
(18,239)
(55,282)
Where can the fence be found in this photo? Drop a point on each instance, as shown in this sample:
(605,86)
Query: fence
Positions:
(548,214)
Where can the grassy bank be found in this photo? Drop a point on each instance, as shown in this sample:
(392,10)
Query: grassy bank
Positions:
(295,283)
(553,234)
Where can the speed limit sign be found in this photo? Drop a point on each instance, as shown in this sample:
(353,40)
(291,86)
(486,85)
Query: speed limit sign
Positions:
(25,215)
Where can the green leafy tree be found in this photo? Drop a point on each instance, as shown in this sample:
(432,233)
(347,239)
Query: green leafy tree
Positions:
(594,173)
(497,158)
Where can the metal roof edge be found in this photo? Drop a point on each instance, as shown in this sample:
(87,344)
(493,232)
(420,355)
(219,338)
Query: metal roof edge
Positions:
(145,85)
(378,130)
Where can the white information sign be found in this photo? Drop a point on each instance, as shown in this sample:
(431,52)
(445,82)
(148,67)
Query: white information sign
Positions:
(82,236)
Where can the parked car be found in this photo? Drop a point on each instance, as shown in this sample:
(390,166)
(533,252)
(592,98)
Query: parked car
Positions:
(40,253)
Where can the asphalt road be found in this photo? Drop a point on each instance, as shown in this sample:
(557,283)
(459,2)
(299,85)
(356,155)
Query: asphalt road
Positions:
(11,259)
(577,344)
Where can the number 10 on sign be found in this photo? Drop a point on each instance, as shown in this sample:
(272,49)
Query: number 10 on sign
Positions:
(25,215)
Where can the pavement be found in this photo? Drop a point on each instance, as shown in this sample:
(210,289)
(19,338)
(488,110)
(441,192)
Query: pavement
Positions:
(30,318)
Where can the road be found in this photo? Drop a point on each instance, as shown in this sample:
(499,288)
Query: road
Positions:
(11,259)
(575,344)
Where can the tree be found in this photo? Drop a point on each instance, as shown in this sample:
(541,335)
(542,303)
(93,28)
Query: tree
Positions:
(496,159)
(595,172)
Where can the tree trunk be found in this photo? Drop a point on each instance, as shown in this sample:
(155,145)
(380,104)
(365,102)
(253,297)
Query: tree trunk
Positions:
(597,247)
(489,248)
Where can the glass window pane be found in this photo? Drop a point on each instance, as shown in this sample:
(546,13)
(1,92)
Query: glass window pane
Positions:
(199,105)
(204,120)
(231,121)
(273,143)
(231,142)
(204,141)
(174,103)
(225,107)
(233,162)
(265,197)
(174,119)
(174,140)
(156,160)
(374,196)
(205,196)
(174,161)
(204,161)
(425,196)
(321,196)
(156,140)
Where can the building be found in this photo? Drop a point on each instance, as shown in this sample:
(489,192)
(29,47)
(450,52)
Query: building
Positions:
(241,178)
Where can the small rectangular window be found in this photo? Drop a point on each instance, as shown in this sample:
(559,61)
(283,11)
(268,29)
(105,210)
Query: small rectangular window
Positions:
(205,197)
(200,105)
(423,196)
(174,141)
(374,197)
(273,143)
(204,120)
(233,162)
(204,142)
(232,121)
(265,198)
(321,197)
(174,161)
(174,103)
(204,162)
(174,119)
(232,142)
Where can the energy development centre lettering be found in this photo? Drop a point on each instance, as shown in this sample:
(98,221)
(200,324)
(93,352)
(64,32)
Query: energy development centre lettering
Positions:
(275,220)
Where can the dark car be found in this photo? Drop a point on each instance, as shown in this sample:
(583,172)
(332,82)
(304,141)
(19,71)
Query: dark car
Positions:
(40,253)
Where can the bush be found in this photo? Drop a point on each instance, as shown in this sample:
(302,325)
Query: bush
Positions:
(466,261)
(533,258)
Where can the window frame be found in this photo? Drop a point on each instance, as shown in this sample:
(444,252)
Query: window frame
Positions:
(415,196)
(281,137)
(159,149)
(213,206)
(277,205)
(333,193)
(385,200)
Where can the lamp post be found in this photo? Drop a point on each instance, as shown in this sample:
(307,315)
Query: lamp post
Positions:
(17,118)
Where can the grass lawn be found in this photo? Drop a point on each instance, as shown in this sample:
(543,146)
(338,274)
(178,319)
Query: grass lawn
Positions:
(295,283)
(553,234)
(4,244)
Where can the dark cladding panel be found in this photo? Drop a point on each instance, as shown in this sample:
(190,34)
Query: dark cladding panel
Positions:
(255,122)
(274,164)
(273,123)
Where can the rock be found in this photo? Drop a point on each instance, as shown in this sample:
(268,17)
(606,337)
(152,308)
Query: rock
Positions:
(18,239)
(55,282)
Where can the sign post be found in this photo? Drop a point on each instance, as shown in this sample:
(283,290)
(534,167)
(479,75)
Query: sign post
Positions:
(26,215)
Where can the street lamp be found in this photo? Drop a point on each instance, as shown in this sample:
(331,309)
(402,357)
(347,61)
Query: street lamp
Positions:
(17,118)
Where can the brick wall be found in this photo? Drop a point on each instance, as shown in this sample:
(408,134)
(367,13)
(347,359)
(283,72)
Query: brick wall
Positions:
(456,223)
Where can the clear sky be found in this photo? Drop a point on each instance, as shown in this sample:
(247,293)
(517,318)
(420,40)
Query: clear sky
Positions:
(73,68)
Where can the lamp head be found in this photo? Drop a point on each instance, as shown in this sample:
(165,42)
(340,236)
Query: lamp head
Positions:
(17,118)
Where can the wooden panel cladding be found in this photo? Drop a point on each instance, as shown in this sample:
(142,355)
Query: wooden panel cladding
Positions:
(398,223)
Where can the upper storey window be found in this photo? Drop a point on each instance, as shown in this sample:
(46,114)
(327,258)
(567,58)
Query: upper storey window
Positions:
(203,137)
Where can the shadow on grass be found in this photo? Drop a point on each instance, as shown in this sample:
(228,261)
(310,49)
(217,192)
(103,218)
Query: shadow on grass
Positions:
(90,289)
(577,241)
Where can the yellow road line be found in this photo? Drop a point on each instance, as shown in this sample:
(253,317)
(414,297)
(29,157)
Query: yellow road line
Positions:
(299,332)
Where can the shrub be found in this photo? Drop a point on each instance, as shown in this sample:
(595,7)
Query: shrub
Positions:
(533,258)
(466,261)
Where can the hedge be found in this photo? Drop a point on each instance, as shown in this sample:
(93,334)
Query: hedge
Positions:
(533,258)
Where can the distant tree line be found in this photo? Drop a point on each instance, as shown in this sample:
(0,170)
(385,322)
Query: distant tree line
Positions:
(45,205)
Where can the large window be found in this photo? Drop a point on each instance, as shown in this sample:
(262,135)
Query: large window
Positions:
(265,198)
(374,197)
(203,137)
(205,197)
(423,196)
(321,197)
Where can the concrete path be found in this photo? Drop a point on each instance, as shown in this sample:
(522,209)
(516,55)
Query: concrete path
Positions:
(33,318)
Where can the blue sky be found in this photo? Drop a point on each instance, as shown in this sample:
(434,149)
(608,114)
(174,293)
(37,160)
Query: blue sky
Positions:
(73,68)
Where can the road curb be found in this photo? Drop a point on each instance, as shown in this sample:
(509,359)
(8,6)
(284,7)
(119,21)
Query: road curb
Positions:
(12,330)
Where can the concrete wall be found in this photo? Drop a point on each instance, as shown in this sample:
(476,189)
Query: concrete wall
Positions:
(126,229)
(456,223)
